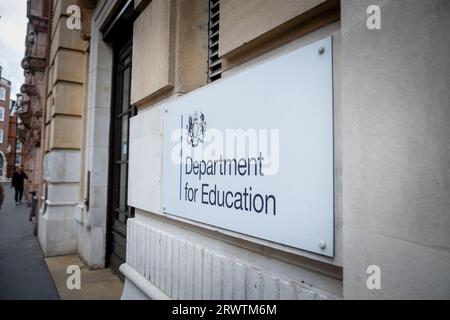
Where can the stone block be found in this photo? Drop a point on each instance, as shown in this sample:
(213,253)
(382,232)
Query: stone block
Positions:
(152,45)
(68,99)
(62,166)
(69,66)
(100,95)
(65,38)
(65,132)
(98,127)
(67,192)
(60,9)
(242,22)
(192,45)
(146,147)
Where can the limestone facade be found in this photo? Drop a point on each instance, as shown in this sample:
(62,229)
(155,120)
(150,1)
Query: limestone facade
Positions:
(390,148)
(64,98)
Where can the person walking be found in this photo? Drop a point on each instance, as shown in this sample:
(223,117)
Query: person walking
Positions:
(2,196)
(17,183)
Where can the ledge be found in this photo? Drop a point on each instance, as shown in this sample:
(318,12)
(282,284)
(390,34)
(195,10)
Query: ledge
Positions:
(142,283)
(60,204)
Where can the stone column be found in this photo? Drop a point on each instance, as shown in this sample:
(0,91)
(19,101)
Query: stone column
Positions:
(396,131)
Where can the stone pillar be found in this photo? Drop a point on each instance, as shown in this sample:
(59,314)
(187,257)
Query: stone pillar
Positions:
(396,131)
(92,219)
(58,232)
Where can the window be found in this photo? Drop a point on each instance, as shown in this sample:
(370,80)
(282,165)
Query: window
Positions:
(1,136)
(18,146)
(2,94)
(2,114)
(18,159)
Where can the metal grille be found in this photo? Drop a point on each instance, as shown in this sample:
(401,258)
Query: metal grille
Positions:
(214,61)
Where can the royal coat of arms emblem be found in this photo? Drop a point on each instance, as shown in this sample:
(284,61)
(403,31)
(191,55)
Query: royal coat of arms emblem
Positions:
(196,129)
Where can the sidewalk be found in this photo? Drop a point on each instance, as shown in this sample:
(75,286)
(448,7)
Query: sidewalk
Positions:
(23,271)
(98,284)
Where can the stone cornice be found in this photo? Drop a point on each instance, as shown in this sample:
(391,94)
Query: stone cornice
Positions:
(39,24)
(28,89)
(87,9)
(34,63)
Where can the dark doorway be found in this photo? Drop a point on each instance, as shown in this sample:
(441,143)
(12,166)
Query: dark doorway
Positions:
(121,111)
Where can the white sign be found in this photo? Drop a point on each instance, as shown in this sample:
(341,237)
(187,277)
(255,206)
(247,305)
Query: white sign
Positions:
(253,153)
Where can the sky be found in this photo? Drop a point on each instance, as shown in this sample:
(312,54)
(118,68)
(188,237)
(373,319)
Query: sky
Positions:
(13,25)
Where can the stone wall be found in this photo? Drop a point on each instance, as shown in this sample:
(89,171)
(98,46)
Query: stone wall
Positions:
(188,260)
(396,130)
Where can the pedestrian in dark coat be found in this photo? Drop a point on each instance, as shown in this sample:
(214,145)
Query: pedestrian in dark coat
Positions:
(17,183)
(2,195)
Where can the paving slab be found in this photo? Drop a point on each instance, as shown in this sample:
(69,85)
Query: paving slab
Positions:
(99,284)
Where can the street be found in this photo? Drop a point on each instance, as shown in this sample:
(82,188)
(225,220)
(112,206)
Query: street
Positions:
(23,271)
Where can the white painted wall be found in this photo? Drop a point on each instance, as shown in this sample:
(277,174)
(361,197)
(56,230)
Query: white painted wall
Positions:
(185,264)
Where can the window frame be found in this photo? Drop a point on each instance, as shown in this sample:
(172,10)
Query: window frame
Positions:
(18,160)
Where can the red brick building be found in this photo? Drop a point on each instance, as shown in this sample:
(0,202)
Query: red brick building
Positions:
(31,111)
(14,150)
(5,92)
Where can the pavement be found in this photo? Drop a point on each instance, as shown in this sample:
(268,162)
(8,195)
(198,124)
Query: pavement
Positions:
(23,271)
(25,274)
(100,284)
